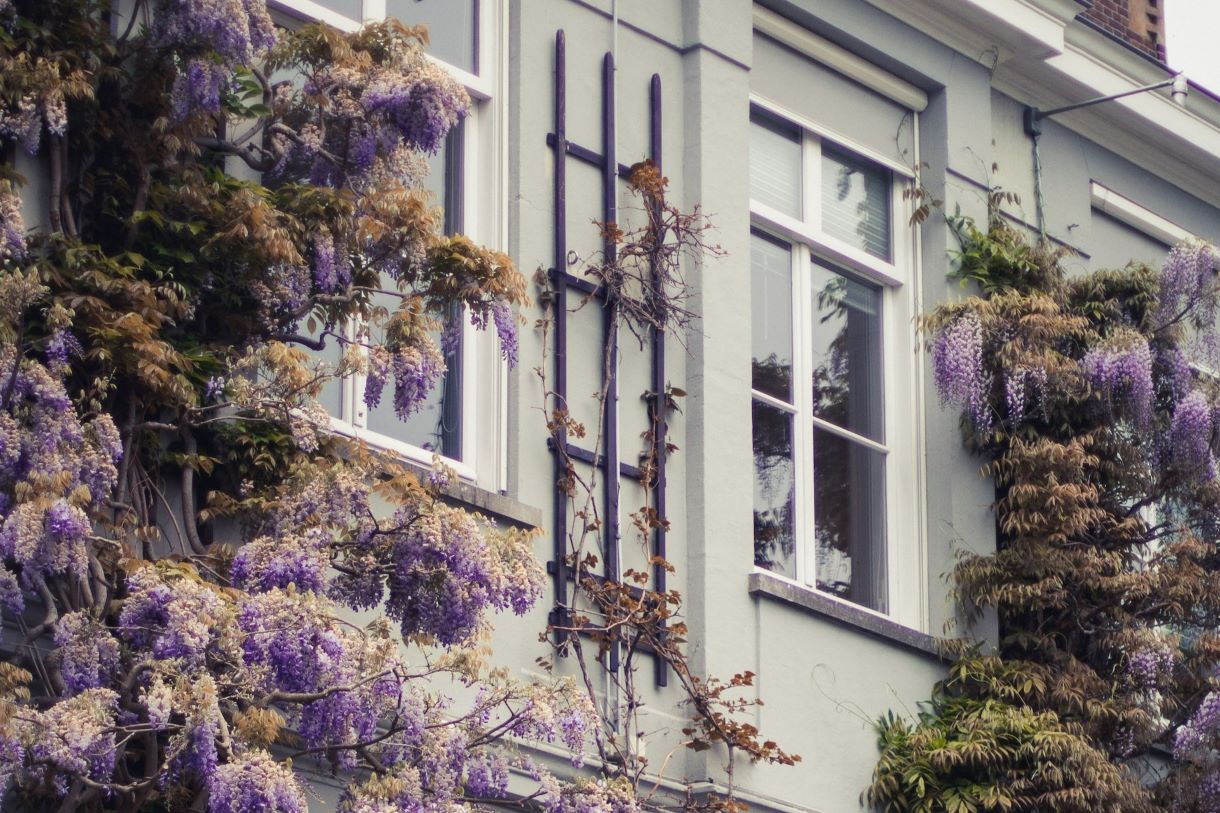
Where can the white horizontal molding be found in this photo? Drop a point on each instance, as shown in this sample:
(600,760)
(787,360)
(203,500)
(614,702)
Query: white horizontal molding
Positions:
(1137,217)
(315,12)
(825,247)
(822,50)
(829,134)
(989,31)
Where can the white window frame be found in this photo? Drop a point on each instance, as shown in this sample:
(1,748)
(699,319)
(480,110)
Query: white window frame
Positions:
(1138,217)
(905,538)
(484,384)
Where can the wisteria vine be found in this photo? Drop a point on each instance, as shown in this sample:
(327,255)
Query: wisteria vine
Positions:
(188,554)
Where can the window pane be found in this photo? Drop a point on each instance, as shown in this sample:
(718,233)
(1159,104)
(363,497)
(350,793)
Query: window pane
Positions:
(774,491)
(847,372)
(849,519)
(775,164)
(452,28)
(856,202)
(437,426)
(771,316)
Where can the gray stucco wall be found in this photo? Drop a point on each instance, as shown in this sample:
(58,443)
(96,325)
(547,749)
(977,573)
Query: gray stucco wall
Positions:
(823,681)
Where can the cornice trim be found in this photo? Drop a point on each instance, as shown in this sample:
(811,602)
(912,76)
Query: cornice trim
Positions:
(820,49)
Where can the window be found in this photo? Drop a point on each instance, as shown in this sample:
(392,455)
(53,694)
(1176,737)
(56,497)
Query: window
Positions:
(464,418)
(832,372)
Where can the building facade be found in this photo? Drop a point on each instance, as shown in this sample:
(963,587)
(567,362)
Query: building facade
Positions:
(818,492)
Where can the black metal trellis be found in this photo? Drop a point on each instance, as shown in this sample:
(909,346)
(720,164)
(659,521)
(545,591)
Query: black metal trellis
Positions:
(607,461)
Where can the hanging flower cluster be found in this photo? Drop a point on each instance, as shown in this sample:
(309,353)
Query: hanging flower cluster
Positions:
(1122,374)
(12,225)
(1137,372)
(959,371)
(210,39)
(255,781)
(53,467)
(1187,288)
(355,118)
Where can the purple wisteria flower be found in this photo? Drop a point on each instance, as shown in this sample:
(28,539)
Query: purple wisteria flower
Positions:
(23,124)
(1149,665)
(1194,740)
(236,30)
(179,619)
(198,89)
(421,113)
(325,275)
(87,652)
(445,575)
(1173,372)
(255,782)
(270,562)
(417,369)
(1122,375)
(11,598)
(62,346)
(1190,437)
(506,330)
(214,388)
(958,369)
(12,224)
(487,776)
(378,371)
(1187,285)
(1024,388)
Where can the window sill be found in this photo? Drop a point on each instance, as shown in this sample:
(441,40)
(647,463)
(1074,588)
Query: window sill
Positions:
(765,585)
(489,503)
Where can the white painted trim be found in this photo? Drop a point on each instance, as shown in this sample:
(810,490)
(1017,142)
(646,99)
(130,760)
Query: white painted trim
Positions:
(374,10)
(824,246)
(821,130)
(316,12)
(835,56)
(919,447)
(1137,217)
(905,553)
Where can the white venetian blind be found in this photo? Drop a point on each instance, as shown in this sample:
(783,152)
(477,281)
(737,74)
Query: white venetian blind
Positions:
(775,164)
(856,202)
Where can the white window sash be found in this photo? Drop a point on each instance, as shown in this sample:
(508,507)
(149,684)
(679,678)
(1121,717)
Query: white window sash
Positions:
(484,385)
(905,534)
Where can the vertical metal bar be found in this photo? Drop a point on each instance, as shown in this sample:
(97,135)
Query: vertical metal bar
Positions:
(610,407)
(659,426)
(561,330)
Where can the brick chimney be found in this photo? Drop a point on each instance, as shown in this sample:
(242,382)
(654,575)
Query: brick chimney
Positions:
(1140,23)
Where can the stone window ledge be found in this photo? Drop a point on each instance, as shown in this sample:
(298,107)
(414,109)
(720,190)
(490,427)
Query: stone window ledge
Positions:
(492,504)
(764,585)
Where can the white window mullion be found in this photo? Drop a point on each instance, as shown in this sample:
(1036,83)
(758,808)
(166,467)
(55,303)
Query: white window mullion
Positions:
(811,157)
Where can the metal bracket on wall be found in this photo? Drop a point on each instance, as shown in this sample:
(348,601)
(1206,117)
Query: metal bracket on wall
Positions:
(606,459)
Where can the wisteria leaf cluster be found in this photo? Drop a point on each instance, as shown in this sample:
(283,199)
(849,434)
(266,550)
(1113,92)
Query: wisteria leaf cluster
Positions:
(212,590)
(1088,398)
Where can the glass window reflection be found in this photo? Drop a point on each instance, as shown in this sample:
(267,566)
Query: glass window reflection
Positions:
(847,367)
(771,316)
(774,491)
(452,28)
